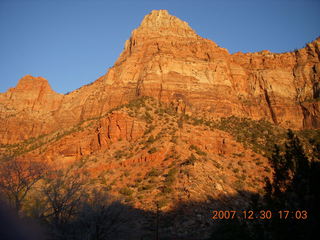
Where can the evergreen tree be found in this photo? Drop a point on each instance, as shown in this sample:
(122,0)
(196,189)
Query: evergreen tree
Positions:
(293,187)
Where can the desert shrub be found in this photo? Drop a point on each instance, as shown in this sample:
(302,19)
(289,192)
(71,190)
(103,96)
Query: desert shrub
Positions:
(119,154)
(170,178)
(159,111)
(170,111)
(240,163)
(242,177)
(151,139)
(197,121)
(174,139)
(136,103)
(166,189)
(238,154)
(159,135)
(180,122)
(216,164)
(190,160)
(238,184)
(236,170)
(126,191)
(267,169)
(162,202)
(129,199)
(140,197)
(147,117)
(197,150)
(145,187)
(153,172)
(152,150)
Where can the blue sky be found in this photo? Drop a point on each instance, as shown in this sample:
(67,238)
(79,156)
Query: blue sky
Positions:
(73,42)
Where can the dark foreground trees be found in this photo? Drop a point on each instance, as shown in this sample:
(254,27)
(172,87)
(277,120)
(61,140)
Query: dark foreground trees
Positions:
(69,208)
(101,218)
(61,201)
(62,193)
(294,187)
(17,177)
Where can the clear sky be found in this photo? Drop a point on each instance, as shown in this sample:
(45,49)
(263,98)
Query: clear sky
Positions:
(73,42)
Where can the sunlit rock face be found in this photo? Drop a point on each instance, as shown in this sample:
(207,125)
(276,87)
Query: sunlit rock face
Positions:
(165,58)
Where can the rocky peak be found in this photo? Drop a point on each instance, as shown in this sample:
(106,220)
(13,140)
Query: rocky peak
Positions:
(33,93)
(30,83)
(159,29)
(160,22)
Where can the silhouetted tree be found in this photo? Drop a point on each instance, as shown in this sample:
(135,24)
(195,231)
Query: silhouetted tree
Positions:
(294,187)
(17,177)
(101,218)
(63,192)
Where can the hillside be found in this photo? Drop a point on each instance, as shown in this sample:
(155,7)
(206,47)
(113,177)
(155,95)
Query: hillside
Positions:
(164,58)
(177,125)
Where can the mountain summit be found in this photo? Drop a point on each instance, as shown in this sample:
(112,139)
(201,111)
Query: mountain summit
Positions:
(160,22)
(177,124)
(164,58)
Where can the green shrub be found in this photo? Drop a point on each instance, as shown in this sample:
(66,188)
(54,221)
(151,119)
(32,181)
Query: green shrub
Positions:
(170,178)
(153,172)
(145,187)
(140,197)
(151,139)
(267,169)
(174,139)
(147,117)
(149,129)
(126,191)
(238,184)
(197,150)
(119,154)
(152,150)
(180,122)
(136,103)
(216,164)
(197,121)
(190,160)
(235,170)
(162,202)
(166,189)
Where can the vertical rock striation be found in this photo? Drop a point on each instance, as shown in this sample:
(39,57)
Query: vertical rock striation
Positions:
(166,59)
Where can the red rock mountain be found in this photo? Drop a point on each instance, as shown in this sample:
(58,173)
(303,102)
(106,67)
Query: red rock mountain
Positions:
(157,129)
(164,58)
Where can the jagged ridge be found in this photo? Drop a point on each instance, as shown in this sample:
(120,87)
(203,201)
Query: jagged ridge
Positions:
(165,58)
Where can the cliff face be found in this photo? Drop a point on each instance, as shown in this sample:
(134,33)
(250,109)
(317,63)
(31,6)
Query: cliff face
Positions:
(169,61)
(27,110)
(164,58)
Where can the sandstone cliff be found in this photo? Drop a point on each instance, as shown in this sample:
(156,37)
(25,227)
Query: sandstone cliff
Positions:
(166,59)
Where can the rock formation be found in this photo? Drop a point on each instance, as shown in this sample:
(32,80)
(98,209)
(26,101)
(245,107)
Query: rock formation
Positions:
(171,125)
(166,59)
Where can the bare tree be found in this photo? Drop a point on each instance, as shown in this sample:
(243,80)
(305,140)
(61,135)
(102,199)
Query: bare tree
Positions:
(63,191)
(17,177)
(103,218)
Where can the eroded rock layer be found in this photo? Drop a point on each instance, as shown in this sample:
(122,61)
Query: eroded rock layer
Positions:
(164,58)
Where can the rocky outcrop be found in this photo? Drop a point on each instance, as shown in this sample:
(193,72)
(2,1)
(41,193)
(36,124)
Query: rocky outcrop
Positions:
(87,138)
(27,110)
(32,94)
(176,64)
(164,58)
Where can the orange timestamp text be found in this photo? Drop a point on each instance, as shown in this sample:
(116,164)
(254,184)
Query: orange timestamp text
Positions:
(261,214)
